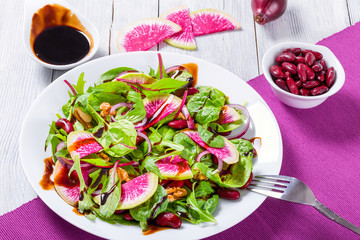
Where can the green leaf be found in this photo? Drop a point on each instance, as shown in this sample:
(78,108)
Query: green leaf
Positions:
(138,111)
(207,106)
(242,145)
(112,190)
(97,177)
(111,74)
(160,143)
(191,149)
(85,199)
(79,87)
(212,139)
(204,189)
(113,219)
(204,215)
(150,166)
(164,85)
(162,70)
(150,209)
(209,204)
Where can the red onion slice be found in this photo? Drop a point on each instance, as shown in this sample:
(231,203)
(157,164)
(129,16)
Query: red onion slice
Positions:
(60,146)
(242,129)
(128,146)
(188,118)
(220,165)
(69,162)
(181,104)
(71,87)
(140,134)
(203,153)
(143,122)
(125,72)
(118,105)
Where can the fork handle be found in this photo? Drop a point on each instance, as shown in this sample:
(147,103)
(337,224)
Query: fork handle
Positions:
(336,218)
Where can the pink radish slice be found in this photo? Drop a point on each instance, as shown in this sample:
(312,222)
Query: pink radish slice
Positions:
(228,153)
(174,167)
(82,143)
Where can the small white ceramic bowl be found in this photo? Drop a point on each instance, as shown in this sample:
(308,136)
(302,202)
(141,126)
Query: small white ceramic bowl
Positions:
(298,101)
(32,6)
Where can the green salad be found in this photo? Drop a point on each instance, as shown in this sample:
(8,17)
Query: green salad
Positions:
(149,149)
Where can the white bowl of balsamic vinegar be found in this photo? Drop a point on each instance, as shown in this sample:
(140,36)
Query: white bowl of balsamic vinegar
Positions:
(57,36)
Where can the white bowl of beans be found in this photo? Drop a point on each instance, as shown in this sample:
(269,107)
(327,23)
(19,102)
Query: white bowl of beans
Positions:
(302,75)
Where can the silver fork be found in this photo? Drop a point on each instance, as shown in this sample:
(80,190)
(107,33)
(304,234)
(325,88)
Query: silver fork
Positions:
(294,190)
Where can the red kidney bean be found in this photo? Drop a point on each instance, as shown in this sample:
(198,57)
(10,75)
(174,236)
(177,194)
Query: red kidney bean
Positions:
(317,55)
(188,183)
(64,124)
(301,69)
(178,124)
(309,59)
(321,76)
(309,73)
(299,59)
(228,193)
(282,84)
(119,211)
(317,67)
(323,64)
(304,92)
(288,74)
(319,90)
(310,84)
(168,219)
(295,51)
(289,67)
(128,217)
(192,91)
(277,72)
(298,83)
(248,181)
(175,183)
(292,86)
(330,76)
(164,182)
(285,57)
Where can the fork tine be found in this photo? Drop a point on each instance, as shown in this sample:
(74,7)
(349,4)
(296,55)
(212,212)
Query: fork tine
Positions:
(276,177)
(273,182)
(269,188)
(265,192)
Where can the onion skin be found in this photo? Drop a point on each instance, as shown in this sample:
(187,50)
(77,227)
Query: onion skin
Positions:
(268,10)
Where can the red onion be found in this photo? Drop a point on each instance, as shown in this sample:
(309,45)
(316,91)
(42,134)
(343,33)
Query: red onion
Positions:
(146,139)
(245,126)
(118,105)
(203,153)
(268,10)
(69,162)
(60,146)
(181,104)
(220,165)
(128,146)
(71,87)
(143,122)
(188,118)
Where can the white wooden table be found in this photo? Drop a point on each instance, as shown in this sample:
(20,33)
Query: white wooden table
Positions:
(22,79)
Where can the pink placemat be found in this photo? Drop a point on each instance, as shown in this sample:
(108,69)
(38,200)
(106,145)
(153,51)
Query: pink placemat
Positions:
(321,148)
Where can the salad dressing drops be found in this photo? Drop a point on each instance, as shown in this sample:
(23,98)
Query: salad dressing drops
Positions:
(46,183)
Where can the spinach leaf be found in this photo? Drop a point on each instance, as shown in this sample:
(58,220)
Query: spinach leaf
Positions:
(79,87)
(240,172)
(85,199)
(212,139)
(111,74)
(150,166)
(113,219)
(137,112)
(203,190)
(206,106)
(160,143)
(209,204)
(191,149)
(97,177)
(110,193)
(164,85)
(204,215)
(242,145)
(150,209)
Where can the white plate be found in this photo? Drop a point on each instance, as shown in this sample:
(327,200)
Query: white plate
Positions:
(228,213)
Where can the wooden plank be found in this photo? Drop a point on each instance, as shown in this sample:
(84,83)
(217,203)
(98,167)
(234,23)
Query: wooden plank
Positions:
(354,10)
(304,21)
(21,80)
(127,12)
(100,14)
(233,50)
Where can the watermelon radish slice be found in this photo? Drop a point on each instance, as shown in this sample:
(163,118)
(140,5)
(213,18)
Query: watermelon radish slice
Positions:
(144,34)
(82,143)
(185,38)
(159,107)
(140,78)
(228,153)
(68,188)
(175,168)
(136,191)
(228,115)
(205,21)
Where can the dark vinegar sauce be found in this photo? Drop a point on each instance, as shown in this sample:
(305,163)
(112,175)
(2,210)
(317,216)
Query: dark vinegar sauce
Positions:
(46,183)
(61,45)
